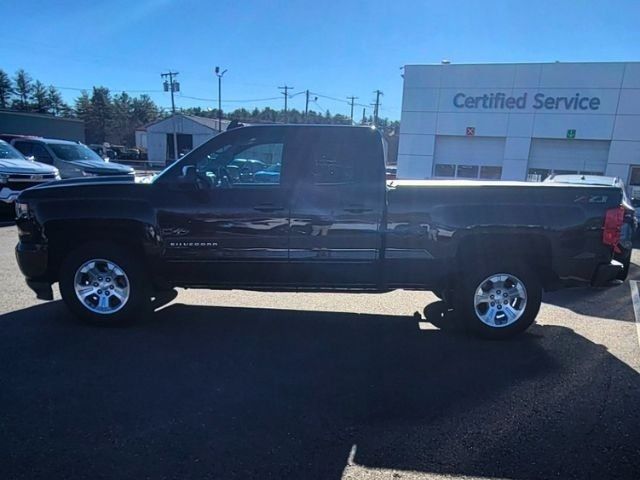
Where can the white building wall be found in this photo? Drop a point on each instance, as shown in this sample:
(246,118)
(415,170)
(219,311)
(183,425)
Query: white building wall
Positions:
(429,111)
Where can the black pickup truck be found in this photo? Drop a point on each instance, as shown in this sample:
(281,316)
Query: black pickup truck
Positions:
(307,208)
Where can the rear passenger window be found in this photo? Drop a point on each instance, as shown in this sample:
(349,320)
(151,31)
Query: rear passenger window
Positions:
(333,164)
(344,156)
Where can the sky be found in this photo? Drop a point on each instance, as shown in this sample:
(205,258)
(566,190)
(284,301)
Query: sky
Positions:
(333,48)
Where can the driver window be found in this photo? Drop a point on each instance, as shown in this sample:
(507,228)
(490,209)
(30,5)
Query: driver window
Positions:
(252,161)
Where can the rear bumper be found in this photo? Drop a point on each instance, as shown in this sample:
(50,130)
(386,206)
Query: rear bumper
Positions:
(606,272)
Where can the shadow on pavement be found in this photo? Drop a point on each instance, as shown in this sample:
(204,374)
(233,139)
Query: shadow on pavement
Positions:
(613,302)
(236,393)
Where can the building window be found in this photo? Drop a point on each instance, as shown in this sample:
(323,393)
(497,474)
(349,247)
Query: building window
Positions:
(442,170)
(467,171)
(490,173)
(598,174)
(537,174)
(564,172)
(634,178)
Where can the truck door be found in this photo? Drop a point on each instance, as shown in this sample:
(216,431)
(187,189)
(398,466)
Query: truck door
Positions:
(233,226)
(337,205)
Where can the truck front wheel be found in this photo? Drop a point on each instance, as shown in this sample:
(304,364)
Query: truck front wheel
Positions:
(104,284)
(498,301)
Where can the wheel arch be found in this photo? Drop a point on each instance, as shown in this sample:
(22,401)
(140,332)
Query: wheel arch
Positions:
(535,250)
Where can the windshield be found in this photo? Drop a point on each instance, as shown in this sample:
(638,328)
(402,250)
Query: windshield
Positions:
(72,152)
(7,152)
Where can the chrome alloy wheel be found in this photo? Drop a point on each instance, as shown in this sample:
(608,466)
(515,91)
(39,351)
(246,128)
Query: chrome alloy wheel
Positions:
(101,286)
(500,300)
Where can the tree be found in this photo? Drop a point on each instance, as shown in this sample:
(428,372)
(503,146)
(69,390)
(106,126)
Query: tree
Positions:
(6,89)
(56,104)
(23,88)
(39,97)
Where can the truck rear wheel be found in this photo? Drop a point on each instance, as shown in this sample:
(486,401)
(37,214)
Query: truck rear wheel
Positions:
(104,285)
(498,301)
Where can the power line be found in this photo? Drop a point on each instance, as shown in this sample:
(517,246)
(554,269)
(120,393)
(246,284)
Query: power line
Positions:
(248,100)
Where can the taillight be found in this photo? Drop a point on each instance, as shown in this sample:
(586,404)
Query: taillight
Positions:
(612,226)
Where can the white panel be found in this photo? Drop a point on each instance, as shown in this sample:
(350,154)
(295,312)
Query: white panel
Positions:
(422,76)
(624,152)
(486,124)
(621,171)
(418,122)
(414,166)
(420,99)
(629,101)
(581,75)
(627,127)
(514,169)
(517,147)
(416,144)
(520,125)
(527,76)
(579,155)
(469,150)
(631,75)
(597,127)
(478,76)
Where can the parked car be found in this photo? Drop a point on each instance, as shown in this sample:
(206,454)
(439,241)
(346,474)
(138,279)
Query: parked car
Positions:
(70,158)
(18,173)
(630,222)
(268,175)
(331,223)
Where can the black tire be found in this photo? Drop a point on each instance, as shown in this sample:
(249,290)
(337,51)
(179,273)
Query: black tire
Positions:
(139,300)
(470,281)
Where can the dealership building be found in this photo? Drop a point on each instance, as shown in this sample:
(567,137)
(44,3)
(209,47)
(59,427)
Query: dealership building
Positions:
(520,121)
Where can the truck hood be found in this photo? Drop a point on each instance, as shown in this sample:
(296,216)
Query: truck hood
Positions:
(16,165)
(103,186)
(101,167)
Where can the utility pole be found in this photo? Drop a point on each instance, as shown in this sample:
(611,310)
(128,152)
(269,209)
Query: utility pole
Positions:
(286,96)
(353,99)
(306,106)
(219,75)
(172,86)
(364,116)
(376,107)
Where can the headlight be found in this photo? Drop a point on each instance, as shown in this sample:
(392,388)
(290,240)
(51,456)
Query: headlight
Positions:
(56,174)
(3,178)
(22,209)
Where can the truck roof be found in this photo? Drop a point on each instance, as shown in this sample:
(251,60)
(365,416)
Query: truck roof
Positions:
(487,183)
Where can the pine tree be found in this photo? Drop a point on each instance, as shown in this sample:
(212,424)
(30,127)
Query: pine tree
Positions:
(22,88)
(39,98)
(6,89)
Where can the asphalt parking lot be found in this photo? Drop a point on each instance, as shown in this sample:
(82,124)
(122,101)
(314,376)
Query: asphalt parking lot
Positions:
(237,385)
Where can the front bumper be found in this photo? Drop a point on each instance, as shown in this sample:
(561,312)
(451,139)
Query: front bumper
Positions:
(8,196)
(32,260)
(606,272)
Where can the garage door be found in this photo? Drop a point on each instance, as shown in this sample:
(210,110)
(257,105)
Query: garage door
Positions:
(468,157)
(547,156)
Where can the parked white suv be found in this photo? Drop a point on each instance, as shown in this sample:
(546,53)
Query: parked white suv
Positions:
(18,173)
